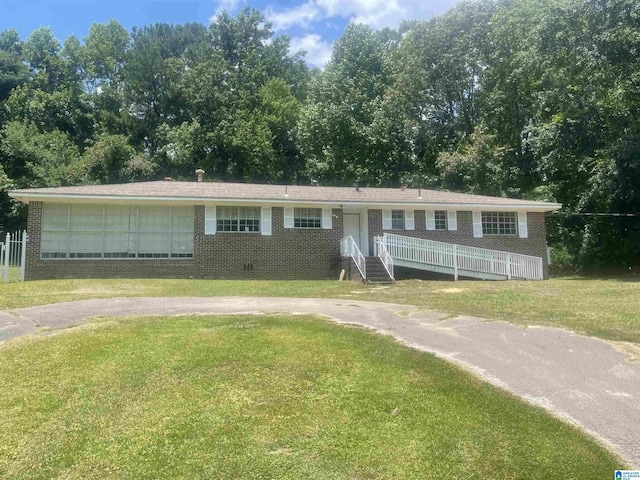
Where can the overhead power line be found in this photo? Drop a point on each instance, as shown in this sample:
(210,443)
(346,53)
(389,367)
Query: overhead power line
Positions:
(587,214)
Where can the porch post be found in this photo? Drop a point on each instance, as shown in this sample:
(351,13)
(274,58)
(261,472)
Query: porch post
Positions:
(7,255)
(455,262)
(23,255)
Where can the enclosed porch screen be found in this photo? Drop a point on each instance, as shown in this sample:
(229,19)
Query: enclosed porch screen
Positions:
(116,231)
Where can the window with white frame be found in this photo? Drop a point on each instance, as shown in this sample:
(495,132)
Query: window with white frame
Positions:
(440,219)
(499,223)
(307,218)
(238,219)
(397,219)
(116,231)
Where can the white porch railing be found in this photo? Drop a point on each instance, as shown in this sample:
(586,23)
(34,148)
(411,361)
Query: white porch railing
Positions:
(383,254)
(13,254)
(460,257)
(349,248)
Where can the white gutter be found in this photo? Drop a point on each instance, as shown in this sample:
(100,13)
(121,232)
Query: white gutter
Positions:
(530,207)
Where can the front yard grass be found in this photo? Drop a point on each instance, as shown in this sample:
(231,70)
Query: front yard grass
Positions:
(606,308)
(265,397)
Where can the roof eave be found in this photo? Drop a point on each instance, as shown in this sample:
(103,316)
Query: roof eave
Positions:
(530,207)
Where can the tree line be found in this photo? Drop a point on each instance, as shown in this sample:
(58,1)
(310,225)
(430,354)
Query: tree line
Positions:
(535,99)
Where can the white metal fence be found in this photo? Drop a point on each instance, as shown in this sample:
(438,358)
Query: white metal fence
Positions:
(12,256)
(460,257)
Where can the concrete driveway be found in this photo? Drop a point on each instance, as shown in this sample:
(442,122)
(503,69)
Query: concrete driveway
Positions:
(582,379)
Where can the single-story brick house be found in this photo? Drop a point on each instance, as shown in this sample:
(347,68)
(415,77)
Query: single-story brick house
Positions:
(253,231)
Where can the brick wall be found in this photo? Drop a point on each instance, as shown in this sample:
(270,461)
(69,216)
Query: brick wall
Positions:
(287,254)
(535,244)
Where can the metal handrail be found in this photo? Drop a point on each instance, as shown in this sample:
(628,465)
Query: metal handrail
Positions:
(462,257)
(383,254)
(349,248)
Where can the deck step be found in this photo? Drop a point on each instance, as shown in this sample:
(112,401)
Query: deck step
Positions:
(376,273)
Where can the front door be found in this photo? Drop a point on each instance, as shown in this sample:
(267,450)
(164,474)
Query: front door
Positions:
(352,227)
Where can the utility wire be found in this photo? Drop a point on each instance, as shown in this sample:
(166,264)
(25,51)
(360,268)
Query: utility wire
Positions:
(586,214)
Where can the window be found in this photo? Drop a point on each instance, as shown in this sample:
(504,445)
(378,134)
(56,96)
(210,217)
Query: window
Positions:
(440,220)
(238,219)
(397,219)
(499,223)
(116,231)
(307,218)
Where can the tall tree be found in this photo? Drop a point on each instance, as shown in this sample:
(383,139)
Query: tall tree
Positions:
(339,125)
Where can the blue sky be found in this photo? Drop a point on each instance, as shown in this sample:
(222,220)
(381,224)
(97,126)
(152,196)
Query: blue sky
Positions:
(313,25)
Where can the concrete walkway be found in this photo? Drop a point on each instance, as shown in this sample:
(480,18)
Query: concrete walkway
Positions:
(582,379)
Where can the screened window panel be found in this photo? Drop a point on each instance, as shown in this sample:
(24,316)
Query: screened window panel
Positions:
(53,244)
(153,219)
(181,245)
(182,219)
(120,245)
(85,245)
(153,245)
(86,218)
(55,217)
(115,231)
(120,218)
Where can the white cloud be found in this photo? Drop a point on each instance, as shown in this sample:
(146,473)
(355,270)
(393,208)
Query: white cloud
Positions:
(228,5)
(318,50)
(377,13)
(302,15)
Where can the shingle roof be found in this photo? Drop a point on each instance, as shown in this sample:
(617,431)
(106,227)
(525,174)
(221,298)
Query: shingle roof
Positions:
(211,191)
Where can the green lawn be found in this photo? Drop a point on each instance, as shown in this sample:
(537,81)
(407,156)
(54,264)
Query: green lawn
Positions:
(265,397)
(606,308)
(14,274)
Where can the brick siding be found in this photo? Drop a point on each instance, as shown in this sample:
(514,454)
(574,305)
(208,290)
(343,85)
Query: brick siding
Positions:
(535,244)
(304,254)
(287,254)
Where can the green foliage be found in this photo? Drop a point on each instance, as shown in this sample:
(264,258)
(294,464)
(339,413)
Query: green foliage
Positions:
(533,99)
(41,159)
(12,73)
(343,133)
(113,160)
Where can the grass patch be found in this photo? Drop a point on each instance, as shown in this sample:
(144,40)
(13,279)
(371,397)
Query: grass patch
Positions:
(606,308)
(13,276)
(265,397)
